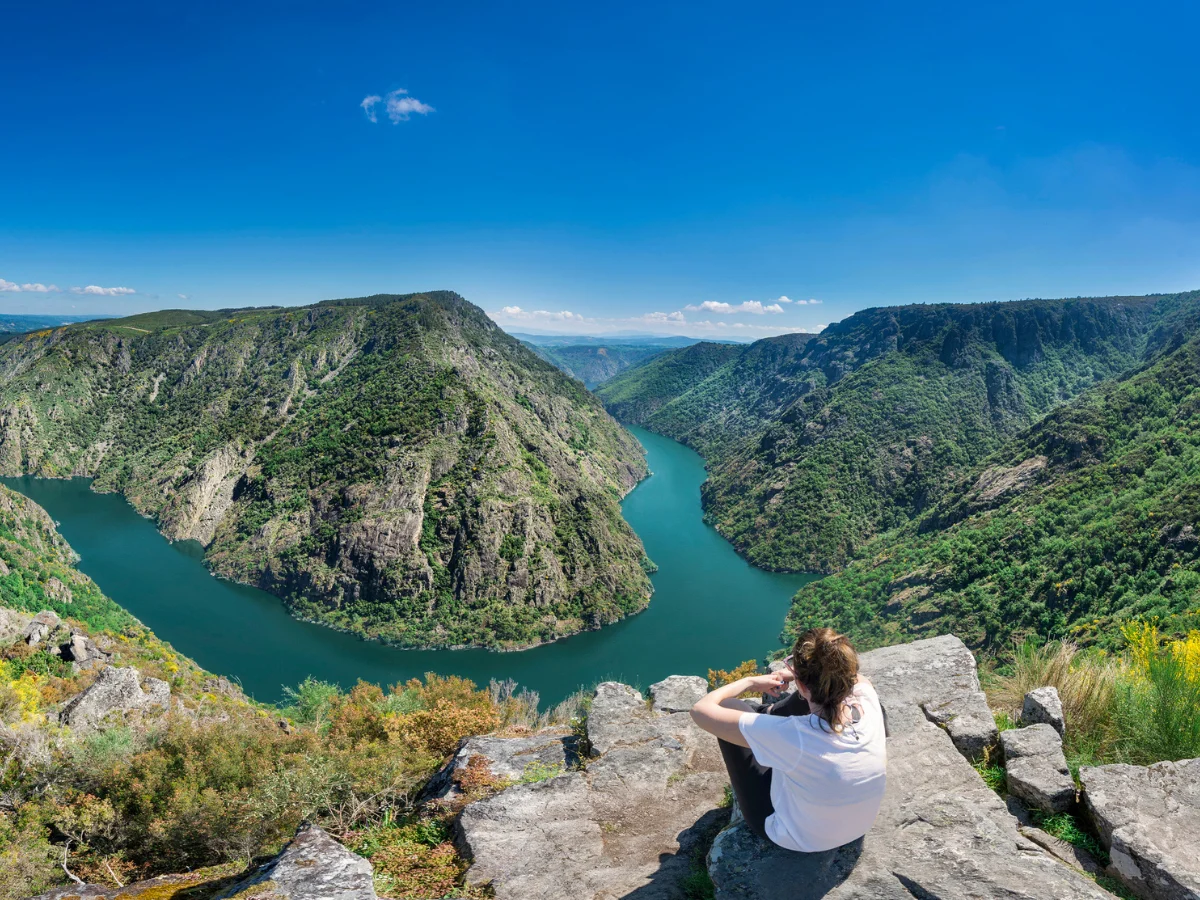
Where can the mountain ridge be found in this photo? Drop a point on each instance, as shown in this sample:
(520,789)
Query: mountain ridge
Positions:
(393,465)
(815,443)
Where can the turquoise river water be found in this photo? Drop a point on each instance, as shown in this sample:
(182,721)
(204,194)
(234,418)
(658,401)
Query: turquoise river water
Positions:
(710,607)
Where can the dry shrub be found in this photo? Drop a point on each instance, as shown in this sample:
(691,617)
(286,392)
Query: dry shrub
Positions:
(450,709)
(720,677)
(1086,684)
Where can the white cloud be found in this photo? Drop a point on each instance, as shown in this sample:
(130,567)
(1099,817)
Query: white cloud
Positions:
(103,291)
(35,287)
(368,106)
(754,307)
(660,318)
(545,315)
(398,104)
(183,296)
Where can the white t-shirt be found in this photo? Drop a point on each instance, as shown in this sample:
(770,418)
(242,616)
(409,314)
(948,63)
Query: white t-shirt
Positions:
(826,786)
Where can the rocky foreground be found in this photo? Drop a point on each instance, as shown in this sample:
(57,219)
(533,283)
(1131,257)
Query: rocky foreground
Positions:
(635,806)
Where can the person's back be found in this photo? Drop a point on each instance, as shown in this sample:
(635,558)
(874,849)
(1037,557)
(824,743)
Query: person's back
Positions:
(827,786)
(809,772)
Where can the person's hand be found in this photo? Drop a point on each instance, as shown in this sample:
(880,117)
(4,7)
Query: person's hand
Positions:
(770,684)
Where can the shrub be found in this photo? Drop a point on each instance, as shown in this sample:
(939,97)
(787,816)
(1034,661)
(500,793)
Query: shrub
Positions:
(1158,708)
(720,677)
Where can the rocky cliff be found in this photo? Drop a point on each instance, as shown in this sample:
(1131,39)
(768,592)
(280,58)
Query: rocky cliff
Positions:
(395,466)
(645,816)
(817,443)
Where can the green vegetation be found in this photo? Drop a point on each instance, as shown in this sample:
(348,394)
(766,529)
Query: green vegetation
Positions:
(594,365)
(217,780)
(818,443)
(1099,532)
(394,466)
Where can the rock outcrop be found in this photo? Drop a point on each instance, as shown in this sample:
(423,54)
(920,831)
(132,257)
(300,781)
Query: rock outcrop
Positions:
(115,691)
(631,822)
(1037,769)
(941,832)
(313,866)
(511,758)
(41,627)
(628,824)
(1149,819)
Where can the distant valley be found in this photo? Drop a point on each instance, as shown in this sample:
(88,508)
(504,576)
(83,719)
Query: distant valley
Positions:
(905,448)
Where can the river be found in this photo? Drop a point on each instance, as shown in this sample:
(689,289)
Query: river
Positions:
(711,609)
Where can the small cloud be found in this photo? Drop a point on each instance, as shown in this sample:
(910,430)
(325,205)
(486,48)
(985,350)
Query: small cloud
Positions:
(35,287)
(95,289)
(368,107)
(183,296)
(784,299)
(398,104)
(660,318)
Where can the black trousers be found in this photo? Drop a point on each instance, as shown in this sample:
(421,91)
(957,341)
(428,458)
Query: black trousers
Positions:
(752,781)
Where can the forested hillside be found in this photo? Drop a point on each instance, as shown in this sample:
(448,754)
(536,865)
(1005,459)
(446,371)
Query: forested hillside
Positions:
(1086,521)
(396,466)
(817,443)
(593,365)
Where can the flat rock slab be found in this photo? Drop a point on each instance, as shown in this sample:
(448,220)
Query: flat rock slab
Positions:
(1036,768)
(968,720)
(508,757)
(940,833)
(629,824)
(1149,818)
(677,693)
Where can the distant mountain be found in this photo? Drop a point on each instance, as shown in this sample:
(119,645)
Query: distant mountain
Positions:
(11,323)
(817,443)
(593,365)
(396,466)
(623,339)
(1085,521)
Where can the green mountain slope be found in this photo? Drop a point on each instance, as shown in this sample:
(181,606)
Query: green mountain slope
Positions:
(593,365)
(396,466)
(816,444)
(1086,520)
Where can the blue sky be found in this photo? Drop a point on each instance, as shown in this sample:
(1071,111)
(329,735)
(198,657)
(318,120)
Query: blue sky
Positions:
(597,168)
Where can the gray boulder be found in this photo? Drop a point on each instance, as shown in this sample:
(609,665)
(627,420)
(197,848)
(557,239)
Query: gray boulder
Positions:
(115,691)
(1037,769)
(512,758)
(1149,819)
(313,866)
(940,834)
(41,626)
(1044,706)
(969,721)
(628,824)
(678,693)
(84,652)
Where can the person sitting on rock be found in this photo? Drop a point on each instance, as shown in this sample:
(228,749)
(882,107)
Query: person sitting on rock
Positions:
(809,770)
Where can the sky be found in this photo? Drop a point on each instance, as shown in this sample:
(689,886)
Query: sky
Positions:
(676,168)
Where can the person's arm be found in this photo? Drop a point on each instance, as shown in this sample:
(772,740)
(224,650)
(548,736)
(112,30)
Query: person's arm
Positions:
(718,712)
